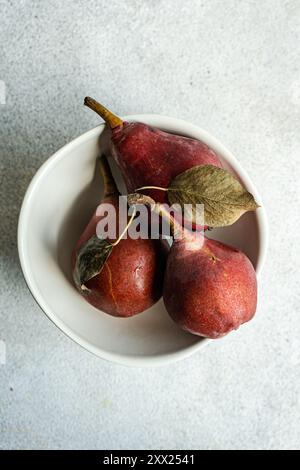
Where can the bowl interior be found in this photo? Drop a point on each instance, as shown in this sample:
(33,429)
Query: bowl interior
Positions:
(57,206)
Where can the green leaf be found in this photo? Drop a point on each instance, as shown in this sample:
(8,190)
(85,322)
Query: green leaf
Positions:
(90,260)
(222,195)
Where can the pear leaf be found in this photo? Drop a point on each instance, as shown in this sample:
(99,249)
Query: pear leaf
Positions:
(90,261)
(223,196)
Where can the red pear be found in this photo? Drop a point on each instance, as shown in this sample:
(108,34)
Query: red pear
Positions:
(148,156)
(132,276)
(209,288)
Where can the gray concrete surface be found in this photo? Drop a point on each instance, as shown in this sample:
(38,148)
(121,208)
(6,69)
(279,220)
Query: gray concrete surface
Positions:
(231,67)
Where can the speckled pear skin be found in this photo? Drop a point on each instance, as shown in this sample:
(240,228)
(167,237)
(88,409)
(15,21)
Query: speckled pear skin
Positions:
(148,156)
(209,291)
(132,278)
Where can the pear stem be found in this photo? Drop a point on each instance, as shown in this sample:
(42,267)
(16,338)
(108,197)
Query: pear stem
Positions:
(160,209)
(152,187)
(125,230)
(110,187)
(111,119)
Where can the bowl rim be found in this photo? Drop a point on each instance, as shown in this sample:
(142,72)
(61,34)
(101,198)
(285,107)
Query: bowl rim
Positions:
(185,127)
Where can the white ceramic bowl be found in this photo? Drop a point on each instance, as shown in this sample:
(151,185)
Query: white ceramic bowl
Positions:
(59,201)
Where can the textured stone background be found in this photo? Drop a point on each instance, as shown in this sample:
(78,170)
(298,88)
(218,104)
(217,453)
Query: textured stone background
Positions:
(231,67)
